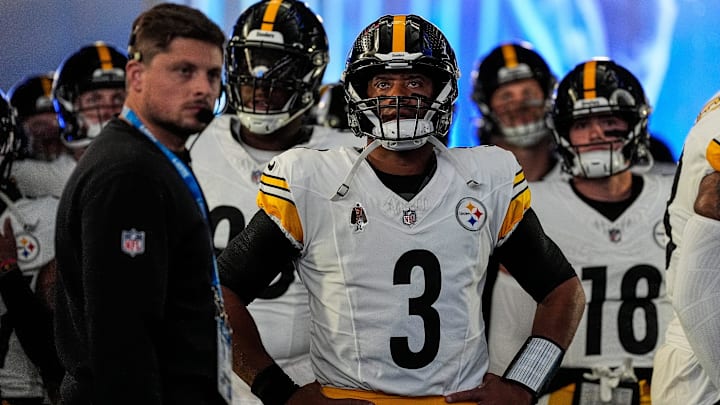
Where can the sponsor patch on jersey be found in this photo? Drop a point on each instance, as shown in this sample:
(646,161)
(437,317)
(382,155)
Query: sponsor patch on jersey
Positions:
(358,218)
(615,235)
(28,247)
(132,242)
(470,213)
(409,217)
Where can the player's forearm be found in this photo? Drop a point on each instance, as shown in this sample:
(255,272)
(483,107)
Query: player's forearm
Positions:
(558,315)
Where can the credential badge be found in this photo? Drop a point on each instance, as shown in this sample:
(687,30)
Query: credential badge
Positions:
(133,242)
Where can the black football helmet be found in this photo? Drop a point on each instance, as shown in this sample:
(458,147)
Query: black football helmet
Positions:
(96,66)
(31,96)
(331,110)
(505,64)
(601,87)
(278,52)
(397,44)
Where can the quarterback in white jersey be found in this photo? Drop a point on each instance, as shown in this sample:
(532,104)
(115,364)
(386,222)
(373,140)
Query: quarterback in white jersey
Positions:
(608,222)
(392,243)
(686,366)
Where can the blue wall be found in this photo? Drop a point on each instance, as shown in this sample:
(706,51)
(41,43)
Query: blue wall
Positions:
(673,46)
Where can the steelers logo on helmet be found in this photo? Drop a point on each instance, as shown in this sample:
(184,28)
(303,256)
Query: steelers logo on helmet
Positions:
(401,43)
(93,67)
(521,124)
(274,64)
(600,87)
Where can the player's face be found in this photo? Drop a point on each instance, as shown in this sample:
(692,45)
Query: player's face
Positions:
(99,105)
(518,103)
(43,135)
(400,84)
(597,132)
(176,84)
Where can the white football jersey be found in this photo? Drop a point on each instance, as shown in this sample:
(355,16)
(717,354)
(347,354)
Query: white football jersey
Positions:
(621,266)
(36,178)
(682,378)
(33,222)
(395,286)
(229,173)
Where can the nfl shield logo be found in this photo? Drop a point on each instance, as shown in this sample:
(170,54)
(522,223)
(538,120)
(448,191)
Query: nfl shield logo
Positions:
(615,235)
(409,217)
(133,242)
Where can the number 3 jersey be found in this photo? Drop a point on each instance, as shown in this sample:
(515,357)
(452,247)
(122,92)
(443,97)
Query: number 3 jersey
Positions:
(229,173)
(33,222)
(395,286)
(620,264)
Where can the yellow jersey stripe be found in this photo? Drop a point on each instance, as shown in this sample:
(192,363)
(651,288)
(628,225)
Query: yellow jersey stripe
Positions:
(270,15)
(284,211)
(589,80)
(398,33)
(273,181)
(104,56)
(712,154)
(510,56)
(516,210)
(379,398)
(519,178)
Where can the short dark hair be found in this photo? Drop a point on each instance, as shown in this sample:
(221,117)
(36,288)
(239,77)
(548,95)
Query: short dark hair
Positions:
(154,29)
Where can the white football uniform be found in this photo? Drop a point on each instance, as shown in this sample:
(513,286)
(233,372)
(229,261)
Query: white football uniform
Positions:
(678,377)
(620,264)
(36,178)
(229,173)
(35,239)
(395,286)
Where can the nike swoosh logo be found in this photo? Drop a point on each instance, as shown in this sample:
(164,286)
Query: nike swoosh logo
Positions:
(271,165)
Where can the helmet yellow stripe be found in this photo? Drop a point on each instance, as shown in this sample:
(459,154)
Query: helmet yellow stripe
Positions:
(105,58)
(589,80)
(509,55)
(46,84)
(398,34)
(270,15)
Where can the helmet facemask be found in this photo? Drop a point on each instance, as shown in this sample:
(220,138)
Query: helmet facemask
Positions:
(270,87)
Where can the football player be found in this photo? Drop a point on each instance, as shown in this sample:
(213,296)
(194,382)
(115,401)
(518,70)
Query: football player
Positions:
(392,243)
(608,221)
(37,125)
(88,89)
(29,368)
(686,365)
(275,61)
(513,88)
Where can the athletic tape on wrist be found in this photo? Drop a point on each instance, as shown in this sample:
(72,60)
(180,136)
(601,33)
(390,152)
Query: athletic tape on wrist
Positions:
(535,364)
(273,386)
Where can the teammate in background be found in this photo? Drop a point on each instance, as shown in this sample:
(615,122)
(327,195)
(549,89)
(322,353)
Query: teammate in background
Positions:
(88,90)
(392,244)
(273,77)
(331,110)
(30,371)
(36,122)
(686,365)
(608,221)
(513,88)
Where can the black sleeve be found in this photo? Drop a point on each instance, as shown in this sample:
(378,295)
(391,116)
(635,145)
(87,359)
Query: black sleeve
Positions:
(255,257)
(32,323)
(534,259)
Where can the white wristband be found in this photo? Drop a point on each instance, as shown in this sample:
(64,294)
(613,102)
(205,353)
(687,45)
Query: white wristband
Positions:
(535,364)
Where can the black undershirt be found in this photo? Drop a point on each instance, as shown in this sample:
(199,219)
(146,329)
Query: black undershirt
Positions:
(406,187)
(613,209)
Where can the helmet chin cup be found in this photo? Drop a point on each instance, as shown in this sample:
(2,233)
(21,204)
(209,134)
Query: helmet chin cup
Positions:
(263,124)
(527,135)
(599,163)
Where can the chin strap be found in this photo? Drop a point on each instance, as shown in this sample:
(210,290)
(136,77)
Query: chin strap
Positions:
(469,181)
